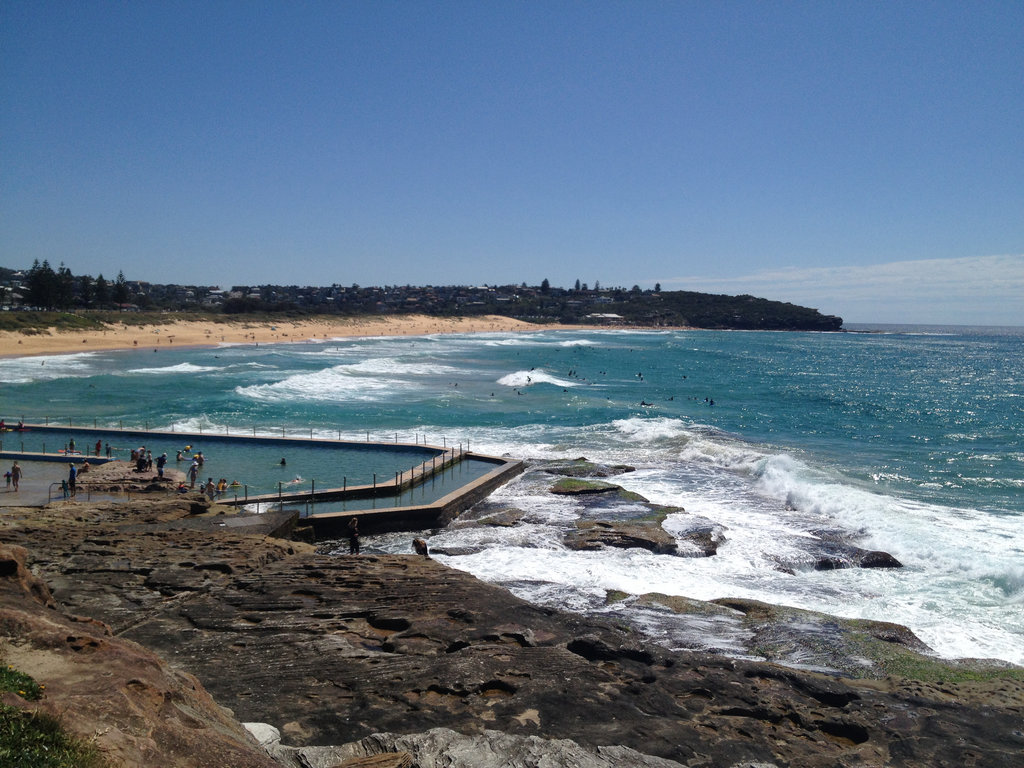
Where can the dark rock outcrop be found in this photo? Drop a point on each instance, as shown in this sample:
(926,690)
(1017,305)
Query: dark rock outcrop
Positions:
(598,534)
(583,467)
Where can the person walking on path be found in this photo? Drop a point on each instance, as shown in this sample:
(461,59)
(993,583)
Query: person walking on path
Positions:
(193,473)
(72,476)
(16,475)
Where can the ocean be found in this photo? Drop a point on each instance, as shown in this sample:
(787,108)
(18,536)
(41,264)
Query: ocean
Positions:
(906,439)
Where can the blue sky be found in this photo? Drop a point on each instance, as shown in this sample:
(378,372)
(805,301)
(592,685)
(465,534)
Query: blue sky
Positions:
(864,158)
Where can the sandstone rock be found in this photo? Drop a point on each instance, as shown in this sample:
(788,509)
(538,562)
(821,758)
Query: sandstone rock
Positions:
(123,698)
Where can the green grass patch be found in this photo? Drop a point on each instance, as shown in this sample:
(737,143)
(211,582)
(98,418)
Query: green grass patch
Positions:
(34,740)
(18,682)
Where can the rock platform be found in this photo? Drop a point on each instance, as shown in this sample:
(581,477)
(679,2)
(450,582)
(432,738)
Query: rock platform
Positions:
(139,616)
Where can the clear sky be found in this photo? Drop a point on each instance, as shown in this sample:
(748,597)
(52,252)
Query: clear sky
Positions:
(865,158)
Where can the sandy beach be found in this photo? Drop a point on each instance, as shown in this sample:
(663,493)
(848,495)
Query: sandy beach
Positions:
(178,333)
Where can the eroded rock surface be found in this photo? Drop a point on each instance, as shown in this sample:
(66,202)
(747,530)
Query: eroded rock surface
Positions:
(136,708)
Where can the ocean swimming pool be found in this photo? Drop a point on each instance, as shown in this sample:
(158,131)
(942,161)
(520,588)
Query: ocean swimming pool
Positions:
(255,463)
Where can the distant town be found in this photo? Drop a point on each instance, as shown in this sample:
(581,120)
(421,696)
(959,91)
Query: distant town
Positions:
(41,288)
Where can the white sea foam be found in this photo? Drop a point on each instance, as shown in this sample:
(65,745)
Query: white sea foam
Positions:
(179,368)
(389,366)
(521,379)
(25,370)
(329,384)
(959,591)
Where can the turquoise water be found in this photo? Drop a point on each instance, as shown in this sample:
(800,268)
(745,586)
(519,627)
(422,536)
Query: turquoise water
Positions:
(911,440)
(255,464)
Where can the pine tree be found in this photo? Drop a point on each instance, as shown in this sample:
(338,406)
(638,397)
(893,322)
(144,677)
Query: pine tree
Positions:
(120,291)
(102,291)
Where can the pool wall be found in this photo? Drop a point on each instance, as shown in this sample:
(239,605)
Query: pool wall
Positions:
(416,518)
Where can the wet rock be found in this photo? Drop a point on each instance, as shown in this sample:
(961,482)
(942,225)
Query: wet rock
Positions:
(810,640)
(877,559)
(582,467)
(577,487)
(699,536)
(598,534)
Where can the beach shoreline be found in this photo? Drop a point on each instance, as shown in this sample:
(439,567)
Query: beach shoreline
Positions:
(172,334)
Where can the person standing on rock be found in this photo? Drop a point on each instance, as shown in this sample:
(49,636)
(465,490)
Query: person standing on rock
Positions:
(160,462)
(72,477)
(193,473)
(353,536)
(16,475)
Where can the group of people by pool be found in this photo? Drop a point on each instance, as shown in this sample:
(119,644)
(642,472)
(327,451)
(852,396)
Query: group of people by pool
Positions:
(211,489)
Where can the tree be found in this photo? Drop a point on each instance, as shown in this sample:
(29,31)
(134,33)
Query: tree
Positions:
(577,283)
(42,285)
(85,290)
(64,288)
(102,291)
(545,286)
(597,285)
(657,287)
(120,291)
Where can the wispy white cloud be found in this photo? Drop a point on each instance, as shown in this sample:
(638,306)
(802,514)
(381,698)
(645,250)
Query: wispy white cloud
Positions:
(982,290)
